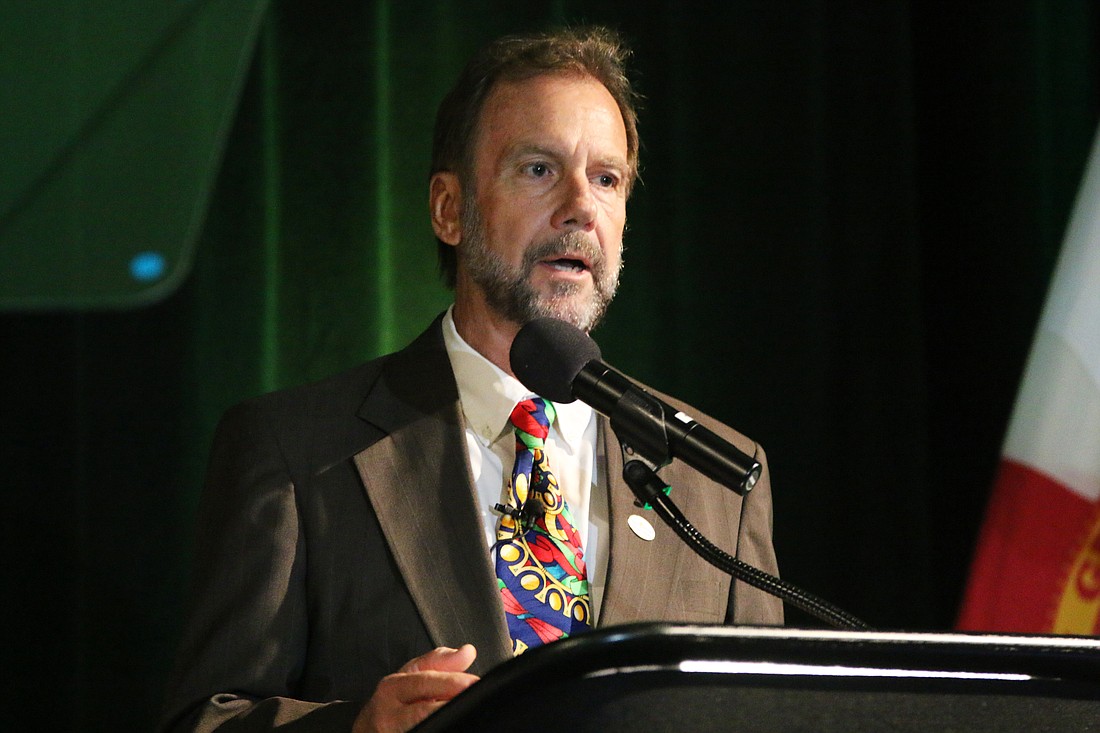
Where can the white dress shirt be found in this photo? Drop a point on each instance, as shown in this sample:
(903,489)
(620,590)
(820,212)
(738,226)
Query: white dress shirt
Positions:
(488,396)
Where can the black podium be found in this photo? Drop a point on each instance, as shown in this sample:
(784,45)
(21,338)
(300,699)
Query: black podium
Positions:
(659,677)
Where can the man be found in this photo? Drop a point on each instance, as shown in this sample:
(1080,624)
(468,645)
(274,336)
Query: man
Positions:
(350,526)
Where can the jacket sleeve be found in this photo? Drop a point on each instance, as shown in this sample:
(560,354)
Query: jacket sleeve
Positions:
(244,643)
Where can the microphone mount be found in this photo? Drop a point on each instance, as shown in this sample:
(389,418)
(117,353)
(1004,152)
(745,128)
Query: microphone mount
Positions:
(653,428)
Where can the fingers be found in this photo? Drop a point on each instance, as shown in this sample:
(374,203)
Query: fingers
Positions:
(403,700)
(409,716)
(374,718)
(418,689)
(411,687)
(443,659)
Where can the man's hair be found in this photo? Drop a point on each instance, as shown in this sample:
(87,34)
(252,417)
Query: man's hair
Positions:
(591,51)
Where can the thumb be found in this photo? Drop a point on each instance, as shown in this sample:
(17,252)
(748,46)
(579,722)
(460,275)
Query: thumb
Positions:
(443,659)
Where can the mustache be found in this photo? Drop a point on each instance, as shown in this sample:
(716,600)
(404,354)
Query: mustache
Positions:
(570,243)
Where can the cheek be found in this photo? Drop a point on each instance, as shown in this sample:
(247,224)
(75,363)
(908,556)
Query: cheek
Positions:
(615,256)
(506,215)
(509,239)
(614,213)
(611,234)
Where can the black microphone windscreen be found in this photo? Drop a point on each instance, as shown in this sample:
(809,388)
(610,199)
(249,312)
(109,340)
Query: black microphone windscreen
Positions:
(548,354)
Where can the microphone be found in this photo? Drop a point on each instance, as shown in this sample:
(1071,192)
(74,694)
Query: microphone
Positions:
(562,363)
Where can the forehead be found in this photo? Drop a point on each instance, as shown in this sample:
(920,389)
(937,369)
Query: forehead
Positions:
(551,109)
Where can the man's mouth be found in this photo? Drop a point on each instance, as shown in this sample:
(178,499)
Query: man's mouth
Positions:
(567,264)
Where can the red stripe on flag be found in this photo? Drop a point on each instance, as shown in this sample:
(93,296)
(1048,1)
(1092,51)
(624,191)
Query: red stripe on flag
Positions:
(1033,528)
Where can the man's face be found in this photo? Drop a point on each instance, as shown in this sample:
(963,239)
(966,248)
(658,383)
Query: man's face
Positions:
(542,224)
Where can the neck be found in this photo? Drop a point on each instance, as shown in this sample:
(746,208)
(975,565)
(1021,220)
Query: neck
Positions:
(484,329)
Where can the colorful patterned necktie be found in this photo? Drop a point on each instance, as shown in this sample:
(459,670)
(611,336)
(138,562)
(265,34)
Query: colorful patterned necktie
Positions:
(539,561)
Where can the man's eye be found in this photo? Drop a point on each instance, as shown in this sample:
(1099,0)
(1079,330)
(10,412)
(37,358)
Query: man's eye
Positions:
(538,170)
(607,181)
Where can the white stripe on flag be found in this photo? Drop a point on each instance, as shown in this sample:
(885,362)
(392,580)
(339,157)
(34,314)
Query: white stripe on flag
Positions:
(1055,425)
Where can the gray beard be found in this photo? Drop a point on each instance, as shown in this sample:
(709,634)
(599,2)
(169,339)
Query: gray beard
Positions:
(509,292)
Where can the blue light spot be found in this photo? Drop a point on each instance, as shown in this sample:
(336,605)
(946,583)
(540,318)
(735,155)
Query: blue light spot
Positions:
(147,266)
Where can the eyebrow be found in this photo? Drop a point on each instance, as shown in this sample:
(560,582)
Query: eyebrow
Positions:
(521,150)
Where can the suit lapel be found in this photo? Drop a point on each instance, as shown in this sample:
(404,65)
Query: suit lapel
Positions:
(418,481)
(661,579)
(639,583)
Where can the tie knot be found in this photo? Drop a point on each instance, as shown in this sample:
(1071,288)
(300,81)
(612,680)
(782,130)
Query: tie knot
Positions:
(532,418)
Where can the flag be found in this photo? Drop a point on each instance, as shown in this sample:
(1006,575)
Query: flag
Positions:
(1037,564)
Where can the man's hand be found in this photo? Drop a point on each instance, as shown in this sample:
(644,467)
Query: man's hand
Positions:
(417,690)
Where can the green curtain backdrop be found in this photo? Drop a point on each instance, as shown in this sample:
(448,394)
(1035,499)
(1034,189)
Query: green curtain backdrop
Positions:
(841,246)
(115,114)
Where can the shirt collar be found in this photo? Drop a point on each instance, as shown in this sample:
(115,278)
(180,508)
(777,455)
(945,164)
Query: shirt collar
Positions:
(489,395)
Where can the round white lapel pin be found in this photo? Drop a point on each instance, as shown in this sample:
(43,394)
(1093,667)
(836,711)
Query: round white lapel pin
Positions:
(641,527)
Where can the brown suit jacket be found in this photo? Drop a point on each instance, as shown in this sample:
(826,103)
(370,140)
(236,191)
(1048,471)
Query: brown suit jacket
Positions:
(338,538)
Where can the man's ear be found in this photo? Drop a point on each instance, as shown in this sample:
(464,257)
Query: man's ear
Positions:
(444,201)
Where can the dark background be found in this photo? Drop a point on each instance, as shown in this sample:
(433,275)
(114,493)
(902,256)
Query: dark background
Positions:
(849,215)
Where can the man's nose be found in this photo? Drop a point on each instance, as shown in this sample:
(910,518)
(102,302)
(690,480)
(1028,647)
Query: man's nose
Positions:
(577,211)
